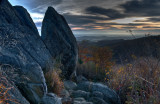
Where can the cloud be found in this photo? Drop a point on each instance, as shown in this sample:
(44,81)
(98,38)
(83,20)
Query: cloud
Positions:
(91,15)
(153,19)
(38,24)
(82,19)
(141,7)
(110,13)
(78,20)
(151,27)
(133,8)
(37,5)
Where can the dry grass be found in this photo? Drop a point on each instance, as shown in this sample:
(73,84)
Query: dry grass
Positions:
(5,87)
(137,82)
(54,82)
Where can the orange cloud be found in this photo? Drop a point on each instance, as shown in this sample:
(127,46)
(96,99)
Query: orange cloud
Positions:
(78,28)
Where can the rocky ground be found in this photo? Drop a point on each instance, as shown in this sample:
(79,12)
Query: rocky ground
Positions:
(86,92)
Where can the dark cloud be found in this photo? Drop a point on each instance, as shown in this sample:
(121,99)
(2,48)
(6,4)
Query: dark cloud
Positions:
(110,13)
(150,27)
(154,19)
(82,19)
(141,7)
(133,8)
(122,24)
(78,20)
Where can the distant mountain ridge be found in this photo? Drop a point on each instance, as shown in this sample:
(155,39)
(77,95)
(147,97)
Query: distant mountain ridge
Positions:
(97,37)
(124,49)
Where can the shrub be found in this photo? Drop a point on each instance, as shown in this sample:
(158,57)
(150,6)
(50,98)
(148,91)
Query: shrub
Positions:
(90,72)
(54,78)
(95,62)
(54,82)
(137,82)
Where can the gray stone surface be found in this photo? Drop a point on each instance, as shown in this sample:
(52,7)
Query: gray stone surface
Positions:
(80,79)
(13,94)
(51,99)
(70,85)
(80,99)
(64,93)
(28,71)
(95,100)
(80,93)
(110,96)
(77,102)
(20,21)
(67,100)
(97,94)
(60,40)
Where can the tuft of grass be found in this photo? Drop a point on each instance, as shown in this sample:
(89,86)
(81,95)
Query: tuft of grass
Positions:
(54,82)
(54,77)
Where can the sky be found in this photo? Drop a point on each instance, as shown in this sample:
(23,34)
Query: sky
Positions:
(100,17)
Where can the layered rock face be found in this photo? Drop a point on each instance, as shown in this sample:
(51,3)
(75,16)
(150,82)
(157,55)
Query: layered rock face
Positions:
(60,40)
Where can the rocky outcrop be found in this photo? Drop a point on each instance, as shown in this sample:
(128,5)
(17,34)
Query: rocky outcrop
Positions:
(60,40)
(23,54)
(19,18)
(24,57)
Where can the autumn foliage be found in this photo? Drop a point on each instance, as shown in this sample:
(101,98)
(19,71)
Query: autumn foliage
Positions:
(95,61)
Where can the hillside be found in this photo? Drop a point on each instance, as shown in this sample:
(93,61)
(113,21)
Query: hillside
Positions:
(124,49)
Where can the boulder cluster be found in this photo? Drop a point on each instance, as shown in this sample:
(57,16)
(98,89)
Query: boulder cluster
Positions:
(25,56)
(86,92)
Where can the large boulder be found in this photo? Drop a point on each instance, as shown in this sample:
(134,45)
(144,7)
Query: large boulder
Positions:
(51,99)
(14,55)
(95,100)
(60,40)
(110,96)
(70,85)
(19,19)
(97,94)
(80,93)
(80,79)
(80,101)
(23,55)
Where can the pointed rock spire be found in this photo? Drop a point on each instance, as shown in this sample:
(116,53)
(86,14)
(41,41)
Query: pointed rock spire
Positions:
(60,40)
